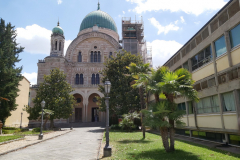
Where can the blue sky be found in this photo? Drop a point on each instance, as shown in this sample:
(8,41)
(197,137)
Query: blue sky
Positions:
(168,24)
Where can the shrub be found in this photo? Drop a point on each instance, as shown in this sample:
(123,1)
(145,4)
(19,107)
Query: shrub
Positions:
(115,126)
(9,128)
(5,131)
(127,124)
(36,129)
(17,130)
(24,129)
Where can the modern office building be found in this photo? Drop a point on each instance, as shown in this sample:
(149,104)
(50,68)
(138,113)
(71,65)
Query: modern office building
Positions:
(212,55)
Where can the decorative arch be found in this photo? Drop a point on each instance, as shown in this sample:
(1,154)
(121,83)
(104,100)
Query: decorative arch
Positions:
(79,39)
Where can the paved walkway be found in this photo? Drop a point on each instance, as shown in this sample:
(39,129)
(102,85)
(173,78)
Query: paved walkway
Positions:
(80,144)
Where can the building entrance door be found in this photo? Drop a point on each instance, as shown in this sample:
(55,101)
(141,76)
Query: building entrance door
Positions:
(78,114)
(95,114)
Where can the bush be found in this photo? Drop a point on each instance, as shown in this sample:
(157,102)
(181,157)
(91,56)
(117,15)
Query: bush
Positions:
(36,129)
(9,128)
(113,120)
(127,124)
(24,129)
(5,131)
(17,130)
(115,126)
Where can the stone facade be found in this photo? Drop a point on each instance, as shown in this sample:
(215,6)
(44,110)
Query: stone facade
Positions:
(88,41)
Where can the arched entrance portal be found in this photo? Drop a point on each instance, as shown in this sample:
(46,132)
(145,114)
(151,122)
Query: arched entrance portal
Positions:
(93,109)
(78,115)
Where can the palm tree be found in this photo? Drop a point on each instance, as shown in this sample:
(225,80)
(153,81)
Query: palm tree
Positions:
(174,84)
(137,72)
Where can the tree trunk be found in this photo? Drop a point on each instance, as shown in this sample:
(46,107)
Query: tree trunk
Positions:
(172,134)
(44,124)
(156,97)
(142,107)
(164,135)
(51,123)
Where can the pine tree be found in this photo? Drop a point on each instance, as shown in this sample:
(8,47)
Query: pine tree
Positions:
(9,73)
(55,91)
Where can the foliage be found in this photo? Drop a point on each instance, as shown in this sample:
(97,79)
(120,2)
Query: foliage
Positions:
(127,122)
(9,128)
(123,98)
(132,146)
(9,73)
(115,126)
(6,131)
(36,129)
(55,91)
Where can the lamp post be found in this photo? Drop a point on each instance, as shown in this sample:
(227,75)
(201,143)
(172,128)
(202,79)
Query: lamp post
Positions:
(21,121)
(107,151)
(41,134)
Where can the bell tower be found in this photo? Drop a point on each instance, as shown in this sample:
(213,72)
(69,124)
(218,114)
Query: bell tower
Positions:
(57,42)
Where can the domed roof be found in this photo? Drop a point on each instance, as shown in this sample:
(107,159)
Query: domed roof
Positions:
(57,30)
(99,18)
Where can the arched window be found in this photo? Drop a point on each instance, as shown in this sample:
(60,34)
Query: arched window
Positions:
(110,55)
(79,57)
(93,79)
(97,79)
(92,56)
(81,79)
(60,46)
(77,79)
(55,45)
(95,56)
(99,57)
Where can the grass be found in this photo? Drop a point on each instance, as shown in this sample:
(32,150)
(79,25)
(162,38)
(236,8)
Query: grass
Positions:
(131,145)
(8,138)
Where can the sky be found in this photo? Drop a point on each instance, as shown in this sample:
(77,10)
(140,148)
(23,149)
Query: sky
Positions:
(168,24)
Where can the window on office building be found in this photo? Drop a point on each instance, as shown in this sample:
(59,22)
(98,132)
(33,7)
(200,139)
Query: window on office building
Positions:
(185,65)
(220,46)
(208,105)
(182,106)
(202,58)
(228,101)
(235,36)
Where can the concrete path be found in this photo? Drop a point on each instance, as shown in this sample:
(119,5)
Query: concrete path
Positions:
(80,144)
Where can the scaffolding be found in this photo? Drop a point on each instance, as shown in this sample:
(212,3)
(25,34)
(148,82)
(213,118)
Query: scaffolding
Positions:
(133,36)
(149,56)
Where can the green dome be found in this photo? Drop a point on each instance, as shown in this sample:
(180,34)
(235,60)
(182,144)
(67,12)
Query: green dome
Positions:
(99,18)
(57,30)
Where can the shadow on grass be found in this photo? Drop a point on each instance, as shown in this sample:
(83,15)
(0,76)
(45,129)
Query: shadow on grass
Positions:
(161,154)
(134,141)
(203,146)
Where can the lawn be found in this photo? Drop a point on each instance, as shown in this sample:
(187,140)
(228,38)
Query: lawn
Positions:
(130,145)
(8,138)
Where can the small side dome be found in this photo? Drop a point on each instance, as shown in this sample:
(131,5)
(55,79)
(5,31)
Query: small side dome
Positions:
(57,30)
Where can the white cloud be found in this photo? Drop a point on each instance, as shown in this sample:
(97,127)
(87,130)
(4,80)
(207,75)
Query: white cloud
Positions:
(123,12)
(36,39)
(32,77)
(59,1)
(195,7)
(182,19)
(162,50)
(163,29)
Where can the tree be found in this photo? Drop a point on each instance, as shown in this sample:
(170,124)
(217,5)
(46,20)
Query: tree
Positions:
(55,91)
(166,85)
(140,84)
(9,73)
(174,84)
(124,98)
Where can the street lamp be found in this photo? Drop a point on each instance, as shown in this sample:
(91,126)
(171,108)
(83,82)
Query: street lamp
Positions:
(107,151)
(41,134)
(21,121)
